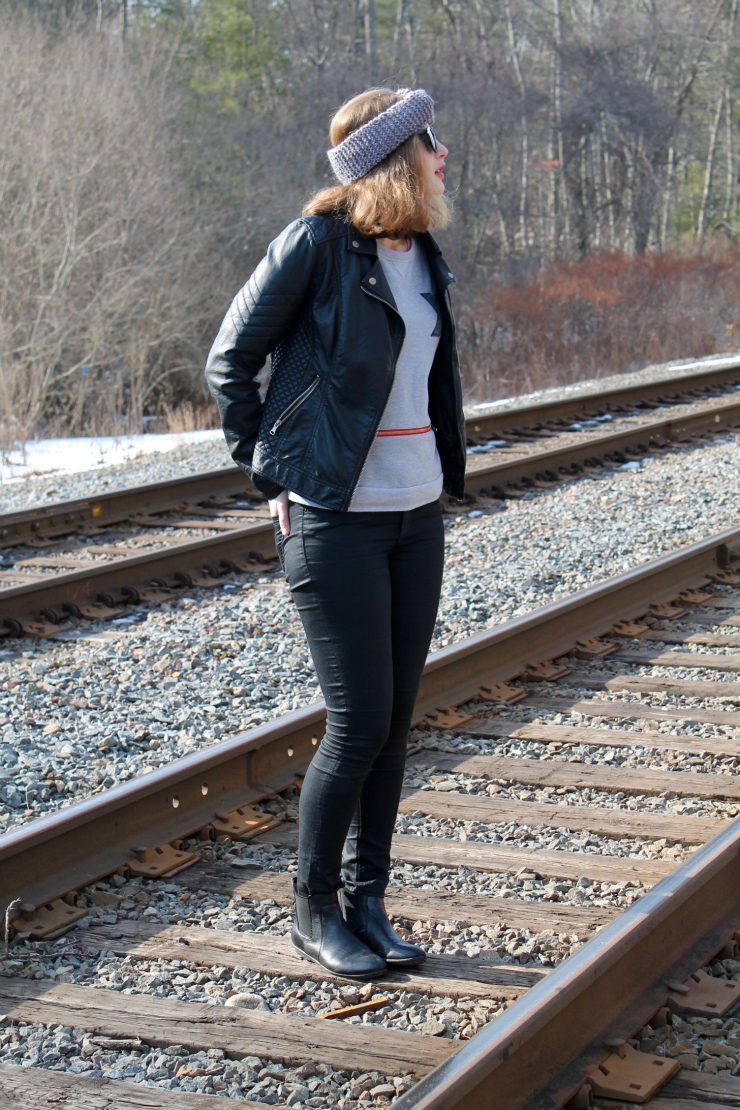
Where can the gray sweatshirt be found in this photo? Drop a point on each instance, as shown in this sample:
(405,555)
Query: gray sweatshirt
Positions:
(403,469)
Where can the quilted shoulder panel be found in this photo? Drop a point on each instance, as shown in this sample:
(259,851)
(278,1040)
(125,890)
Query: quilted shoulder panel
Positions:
(325,227)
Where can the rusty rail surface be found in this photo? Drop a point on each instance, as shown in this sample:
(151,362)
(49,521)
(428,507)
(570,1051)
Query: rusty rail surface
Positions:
(114,506)
(79,586)
(52,593)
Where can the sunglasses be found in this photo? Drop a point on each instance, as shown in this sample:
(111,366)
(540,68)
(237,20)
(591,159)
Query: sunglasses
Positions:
(429,139)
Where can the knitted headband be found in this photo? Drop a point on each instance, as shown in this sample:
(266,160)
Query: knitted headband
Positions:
(373,141)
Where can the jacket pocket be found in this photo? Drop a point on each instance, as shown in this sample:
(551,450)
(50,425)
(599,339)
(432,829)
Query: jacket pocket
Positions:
(294,406)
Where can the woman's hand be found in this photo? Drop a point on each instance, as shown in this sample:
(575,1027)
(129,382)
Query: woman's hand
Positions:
(279,508)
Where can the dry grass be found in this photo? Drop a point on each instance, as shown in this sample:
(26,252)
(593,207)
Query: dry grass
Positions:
(186,417)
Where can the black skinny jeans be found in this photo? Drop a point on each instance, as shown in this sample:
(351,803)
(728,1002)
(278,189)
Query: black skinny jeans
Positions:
(367,587)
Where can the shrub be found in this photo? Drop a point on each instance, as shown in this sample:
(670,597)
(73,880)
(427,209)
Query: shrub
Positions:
(606,314)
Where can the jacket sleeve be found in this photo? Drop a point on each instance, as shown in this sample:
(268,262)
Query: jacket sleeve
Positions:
(260,315)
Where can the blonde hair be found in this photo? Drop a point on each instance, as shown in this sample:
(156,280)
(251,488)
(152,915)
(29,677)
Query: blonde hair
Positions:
(391,200)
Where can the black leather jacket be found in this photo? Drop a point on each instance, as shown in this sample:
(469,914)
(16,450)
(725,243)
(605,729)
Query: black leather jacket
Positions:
(320,304)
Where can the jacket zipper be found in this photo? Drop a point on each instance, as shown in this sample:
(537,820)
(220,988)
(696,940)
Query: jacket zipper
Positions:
(388,394)
(294,405)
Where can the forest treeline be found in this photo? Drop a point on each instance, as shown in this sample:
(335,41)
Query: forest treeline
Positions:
(149,151)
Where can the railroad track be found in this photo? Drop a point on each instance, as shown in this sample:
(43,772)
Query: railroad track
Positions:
(586,718)
(127,546)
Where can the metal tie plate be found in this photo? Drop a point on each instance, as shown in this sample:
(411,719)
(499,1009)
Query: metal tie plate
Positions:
(448,718)
(629,629)
(502,691)
(703,995)
(631,1075)
(48,920)
(242,823)
(546,672)
(159,861)
(667,611)
(594,648)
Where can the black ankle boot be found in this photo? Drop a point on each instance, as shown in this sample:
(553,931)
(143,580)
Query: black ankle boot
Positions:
(367,919)
(320,933)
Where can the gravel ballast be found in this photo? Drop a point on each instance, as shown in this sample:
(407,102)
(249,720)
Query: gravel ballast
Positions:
(78,716)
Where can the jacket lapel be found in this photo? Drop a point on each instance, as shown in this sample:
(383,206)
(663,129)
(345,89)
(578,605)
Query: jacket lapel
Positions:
(440,270)
(375,284)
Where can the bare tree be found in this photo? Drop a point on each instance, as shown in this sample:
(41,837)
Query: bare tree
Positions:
(148,154)
(103,261)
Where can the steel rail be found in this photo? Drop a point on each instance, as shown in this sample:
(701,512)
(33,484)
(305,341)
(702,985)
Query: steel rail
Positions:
(52,593)
(538,1053)
(610,398)
(79,586)
(76,845)
(114,506)
(651,433)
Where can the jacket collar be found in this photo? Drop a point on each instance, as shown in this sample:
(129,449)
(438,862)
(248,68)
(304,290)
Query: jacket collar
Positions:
(360,244)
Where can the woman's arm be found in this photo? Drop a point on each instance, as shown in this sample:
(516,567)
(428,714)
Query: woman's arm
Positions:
(260,315)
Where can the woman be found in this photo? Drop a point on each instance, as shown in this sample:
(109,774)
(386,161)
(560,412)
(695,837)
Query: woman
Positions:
(361,429)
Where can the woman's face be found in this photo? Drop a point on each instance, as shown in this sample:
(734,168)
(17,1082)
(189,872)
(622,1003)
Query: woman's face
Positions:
(434,161)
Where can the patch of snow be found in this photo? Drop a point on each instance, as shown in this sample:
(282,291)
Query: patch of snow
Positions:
(55,456)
